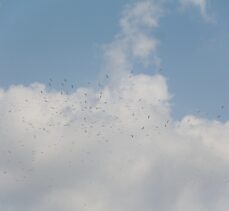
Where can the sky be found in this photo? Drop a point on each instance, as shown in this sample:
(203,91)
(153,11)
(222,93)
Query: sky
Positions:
(114,105)
(62,39)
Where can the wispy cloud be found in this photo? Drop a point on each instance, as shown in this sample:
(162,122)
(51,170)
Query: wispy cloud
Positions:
(135,42)
(202,5)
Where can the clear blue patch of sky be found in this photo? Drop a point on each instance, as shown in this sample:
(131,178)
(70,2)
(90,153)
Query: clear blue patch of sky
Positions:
(55,38)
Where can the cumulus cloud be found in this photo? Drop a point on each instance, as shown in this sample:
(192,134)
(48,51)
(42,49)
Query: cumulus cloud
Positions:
(117,148)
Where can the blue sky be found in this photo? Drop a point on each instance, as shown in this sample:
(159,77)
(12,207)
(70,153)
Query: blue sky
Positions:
(62,39)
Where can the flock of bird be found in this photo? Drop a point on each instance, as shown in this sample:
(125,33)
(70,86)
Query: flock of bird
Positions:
(83,121)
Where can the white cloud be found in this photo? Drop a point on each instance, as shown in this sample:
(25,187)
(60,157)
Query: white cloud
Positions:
(202,5)
(134,43)
(117,148)
(109,150)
